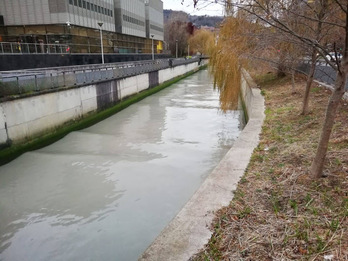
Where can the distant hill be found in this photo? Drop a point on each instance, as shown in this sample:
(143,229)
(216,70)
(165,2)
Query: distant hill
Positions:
(196,20)
(211,21)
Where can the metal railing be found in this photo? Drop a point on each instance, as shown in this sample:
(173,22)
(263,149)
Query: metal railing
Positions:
(35,80)
(32,48)
(323,72)
(41,48)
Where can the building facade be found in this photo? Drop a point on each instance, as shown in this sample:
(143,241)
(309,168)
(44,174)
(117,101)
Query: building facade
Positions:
(154,19)
(76,24)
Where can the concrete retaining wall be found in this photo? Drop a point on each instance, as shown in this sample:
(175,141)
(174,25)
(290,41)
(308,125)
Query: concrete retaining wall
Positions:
(24,118)
(189,231)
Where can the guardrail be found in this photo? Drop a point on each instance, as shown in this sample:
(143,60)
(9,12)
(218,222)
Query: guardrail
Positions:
(33,48)
(323,72)
(59,48)
(35,80)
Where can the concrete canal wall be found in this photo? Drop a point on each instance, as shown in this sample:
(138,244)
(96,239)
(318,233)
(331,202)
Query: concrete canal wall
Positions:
(25,118)
(190,230)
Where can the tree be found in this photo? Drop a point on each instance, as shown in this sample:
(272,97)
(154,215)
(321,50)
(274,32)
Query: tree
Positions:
(202,41)
(279,15)
(176,32)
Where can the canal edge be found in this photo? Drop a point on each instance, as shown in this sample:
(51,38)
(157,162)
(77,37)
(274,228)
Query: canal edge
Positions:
(189,231)
(9,153)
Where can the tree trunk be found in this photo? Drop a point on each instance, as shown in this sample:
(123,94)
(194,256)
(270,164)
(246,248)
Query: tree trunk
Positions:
(281,68)
(293,81)
(319,160)
(340,84)
(305,104)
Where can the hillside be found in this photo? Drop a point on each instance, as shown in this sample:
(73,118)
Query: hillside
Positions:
(198,21)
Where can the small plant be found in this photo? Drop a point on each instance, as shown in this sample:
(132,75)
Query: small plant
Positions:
(257,158)
(294,206)
(301,233)
(238,195)
(275,203)
(243,180)
(345,207)
(334,224)
(315,90)
(320,244)
(244,212)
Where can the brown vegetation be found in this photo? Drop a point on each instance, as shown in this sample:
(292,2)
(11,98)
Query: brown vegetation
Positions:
(279,212)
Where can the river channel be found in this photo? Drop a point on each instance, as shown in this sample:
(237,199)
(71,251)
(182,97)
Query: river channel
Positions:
(106,192)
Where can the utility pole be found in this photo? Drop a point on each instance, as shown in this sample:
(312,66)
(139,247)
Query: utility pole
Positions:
(101,41)
(176,48)
(153,53)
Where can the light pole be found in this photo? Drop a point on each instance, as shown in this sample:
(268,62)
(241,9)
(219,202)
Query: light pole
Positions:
(153,54)
(176,48)
(101,41)
(68,36)
(166,45)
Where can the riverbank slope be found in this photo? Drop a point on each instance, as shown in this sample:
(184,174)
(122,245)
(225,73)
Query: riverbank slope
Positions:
(278,211)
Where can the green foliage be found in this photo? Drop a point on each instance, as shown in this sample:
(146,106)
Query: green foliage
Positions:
(244,212)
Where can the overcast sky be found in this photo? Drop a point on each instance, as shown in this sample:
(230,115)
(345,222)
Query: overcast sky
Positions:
(204,7)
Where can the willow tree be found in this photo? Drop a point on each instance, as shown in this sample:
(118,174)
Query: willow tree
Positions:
(227,59)
(276,14)
(202,41)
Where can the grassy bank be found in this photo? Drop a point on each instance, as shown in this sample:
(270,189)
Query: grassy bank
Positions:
(12,152)
(278,211)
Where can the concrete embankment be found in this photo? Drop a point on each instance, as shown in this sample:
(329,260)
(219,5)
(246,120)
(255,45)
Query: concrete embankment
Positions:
(29,117)
(189,230)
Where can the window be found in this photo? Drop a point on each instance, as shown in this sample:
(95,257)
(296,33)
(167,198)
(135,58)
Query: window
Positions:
(102,10)
(71,2)
(84,4)
(154,27)
(92,7)
(111,13)
(99,9)
(80,3)
(88,6)
(75,2)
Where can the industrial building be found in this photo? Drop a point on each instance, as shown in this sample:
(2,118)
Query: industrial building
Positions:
(74,25)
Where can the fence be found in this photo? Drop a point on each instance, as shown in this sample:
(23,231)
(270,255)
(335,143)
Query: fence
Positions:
(41,48)
(323,72)
(34,80)
(31,48)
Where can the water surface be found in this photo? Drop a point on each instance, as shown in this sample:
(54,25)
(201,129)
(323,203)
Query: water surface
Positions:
(106,192)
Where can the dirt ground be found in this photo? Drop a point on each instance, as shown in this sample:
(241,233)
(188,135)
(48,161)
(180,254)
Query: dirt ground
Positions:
(279,212)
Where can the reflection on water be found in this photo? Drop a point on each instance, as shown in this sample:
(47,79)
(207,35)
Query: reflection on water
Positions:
(106,192)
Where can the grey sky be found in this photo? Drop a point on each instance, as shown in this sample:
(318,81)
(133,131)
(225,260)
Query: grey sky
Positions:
(204,7)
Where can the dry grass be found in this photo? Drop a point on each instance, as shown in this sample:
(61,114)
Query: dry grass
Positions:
(278,211)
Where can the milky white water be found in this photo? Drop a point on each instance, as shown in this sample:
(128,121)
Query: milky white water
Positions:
(106,192)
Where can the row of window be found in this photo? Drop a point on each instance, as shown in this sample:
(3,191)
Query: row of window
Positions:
(91,7)
(133,20)
(154,27)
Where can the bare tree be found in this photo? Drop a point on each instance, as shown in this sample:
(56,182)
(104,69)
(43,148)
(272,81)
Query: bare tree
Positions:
(176,32)
(278,15)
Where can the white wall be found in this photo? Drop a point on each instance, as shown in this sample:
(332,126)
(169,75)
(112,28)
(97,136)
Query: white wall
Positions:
(142,82)
(170,73)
